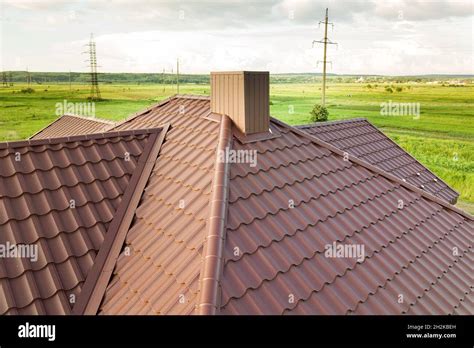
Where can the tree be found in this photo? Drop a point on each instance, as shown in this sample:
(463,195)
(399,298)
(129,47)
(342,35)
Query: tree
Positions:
(319,113)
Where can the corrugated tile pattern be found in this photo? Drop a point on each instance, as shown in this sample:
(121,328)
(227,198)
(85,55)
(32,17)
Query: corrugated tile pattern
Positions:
(302,197)
(161,273)
(69,125)
(361,139)
(38,180)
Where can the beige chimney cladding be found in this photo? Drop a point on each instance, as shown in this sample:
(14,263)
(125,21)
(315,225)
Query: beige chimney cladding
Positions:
(244,96)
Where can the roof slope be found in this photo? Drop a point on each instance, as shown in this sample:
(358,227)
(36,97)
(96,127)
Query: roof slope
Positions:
(69,125)
(362,139)
(219,237)
(161,273)
(303,196)
(59,197)
(276,221)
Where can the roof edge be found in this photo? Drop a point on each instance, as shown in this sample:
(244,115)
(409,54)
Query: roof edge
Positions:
(164,101)
(95,285)
(328,123)
(94,136)
(90,118)
(99,120)
(376,170)
(45,127)
(213,252)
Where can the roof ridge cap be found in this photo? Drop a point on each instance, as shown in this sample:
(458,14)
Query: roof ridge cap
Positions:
(212,256)
(387,138)
(89,118)
(329,123)
(375,169)
(162,102)
(141,112)
(69,139)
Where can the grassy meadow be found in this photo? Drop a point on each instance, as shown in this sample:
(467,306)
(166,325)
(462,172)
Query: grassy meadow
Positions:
(442,138)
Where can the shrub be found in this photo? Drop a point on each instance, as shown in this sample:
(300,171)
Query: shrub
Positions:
(27,90)
(399,89)
(319,113)
(388,89)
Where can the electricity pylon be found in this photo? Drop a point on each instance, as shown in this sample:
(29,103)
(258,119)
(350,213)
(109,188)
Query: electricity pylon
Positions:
(94,81)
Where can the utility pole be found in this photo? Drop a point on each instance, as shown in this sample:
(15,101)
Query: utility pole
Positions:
(95,92)
(324,41)
(163,80)
(177,76)
(4,79)
(28,77)
(10,78)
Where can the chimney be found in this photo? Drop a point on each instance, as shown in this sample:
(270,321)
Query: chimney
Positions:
(244,96)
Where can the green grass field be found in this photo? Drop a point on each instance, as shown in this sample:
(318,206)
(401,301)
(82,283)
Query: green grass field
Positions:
(442,138)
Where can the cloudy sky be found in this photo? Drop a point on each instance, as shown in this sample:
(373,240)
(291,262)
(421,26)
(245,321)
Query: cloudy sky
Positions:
(393,37)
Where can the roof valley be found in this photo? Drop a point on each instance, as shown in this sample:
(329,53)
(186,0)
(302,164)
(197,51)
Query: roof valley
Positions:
(99,276)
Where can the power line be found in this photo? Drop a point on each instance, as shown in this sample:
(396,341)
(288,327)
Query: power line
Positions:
(324,41)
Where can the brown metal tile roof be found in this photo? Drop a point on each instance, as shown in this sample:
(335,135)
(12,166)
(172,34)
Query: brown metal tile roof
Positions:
(69,125)
(227,238)
(161,275)
(362,139)
(301,197)
(62,196)
(251,253)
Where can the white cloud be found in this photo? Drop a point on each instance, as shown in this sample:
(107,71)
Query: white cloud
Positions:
(383,37)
